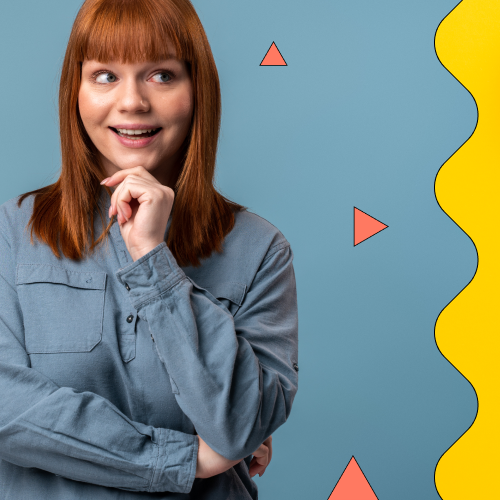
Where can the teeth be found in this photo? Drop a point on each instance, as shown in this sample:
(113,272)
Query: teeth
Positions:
(134,132)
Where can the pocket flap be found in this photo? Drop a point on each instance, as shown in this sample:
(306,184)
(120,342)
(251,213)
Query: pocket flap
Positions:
(231,290)
(43,273)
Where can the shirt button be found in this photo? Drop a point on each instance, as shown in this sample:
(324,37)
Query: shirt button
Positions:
(127,287)
(296,367)
(130,318)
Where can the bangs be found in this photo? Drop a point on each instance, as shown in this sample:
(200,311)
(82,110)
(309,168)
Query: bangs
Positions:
(131,31)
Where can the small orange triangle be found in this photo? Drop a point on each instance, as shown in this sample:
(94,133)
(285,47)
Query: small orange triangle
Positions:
(352,485)
(365,226)
(273,57)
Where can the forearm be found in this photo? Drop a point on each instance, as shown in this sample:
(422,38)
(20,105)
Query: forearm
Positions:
(236,383)
(84,437)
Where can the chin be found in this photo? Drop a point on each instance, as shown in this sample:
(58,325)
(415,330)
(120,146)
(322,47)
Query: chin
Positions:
(128,162)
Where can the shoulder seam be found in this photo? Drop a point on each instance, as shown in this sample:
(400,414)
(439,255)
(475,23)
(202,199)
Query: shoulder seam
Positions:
(260,217)
(276,248)
(4,232)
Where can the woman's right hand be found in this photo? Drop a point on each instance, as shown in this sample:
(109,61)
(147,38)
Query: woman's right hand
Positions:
(210,463)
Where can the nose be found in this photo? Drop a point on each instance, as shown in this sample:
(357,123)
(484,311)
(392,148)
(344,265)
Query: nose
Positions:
(132,97)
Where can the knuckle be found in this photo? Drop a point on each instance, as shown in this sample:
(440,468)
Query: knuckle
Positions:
(167,191)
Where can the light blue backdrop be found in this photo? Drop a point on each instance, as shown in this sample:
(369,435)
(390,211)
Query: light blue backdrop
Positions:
(363,115)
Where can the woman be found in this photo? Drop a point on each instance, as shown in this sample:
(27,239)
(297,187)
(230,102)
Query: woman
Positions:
(158,365)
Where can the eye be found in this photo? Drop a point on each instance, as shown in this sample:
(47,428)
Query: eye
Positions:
(105,77)
(163,77)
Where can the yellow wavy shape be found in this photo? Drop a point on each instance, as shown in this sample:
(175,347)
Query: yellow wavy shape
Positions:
(467,188)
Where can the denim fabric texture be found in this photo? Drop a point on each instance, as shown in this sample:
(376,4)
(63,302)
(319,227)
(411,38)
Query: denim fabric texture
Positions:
(109,368)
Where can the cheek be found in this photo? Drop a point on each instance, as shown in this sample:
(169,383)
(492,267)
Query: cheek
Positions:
(187,106)
(178,110)
(93,109)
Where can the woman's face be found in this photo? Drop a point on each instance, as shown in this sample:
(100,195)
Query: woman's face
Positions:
(116,99)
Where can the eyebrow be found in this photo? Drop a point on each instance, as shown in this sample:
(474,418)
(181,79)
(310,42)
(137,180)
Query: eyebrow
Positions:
(171,58)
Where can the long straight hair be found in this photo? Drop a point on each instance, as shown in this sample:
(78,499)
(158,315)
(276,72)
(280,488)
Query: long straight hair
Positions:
(132,31)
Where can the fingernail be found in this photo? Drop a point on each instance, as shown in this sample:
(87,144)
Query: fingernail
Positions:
(103,182)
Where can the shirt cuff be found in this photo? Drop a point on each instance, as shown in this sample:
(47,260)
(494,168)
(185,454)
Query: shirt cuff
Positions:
(151,275)
(176,462)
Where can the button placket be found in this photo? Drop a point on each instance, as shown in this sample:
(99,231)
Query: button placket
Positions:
(126,332)
(127,341)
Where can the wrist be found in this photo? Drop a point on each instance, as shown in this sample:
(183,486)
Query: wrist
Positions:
(136,254)
(198,461)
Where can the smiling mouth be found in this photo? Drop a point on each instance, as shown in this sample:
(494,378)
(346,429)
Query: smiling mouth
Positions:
(130,134)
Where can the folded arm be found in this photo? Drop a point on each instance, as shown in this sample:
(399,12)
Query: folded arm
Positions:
(78,435)
(235,378)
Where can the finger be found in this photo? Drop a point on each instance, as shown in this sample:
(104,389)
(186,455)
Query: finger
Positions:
(256,469)
(262,458)
(119,176)
(115,202)
(269,443)
(261,451)
(263,462)
(261,455)
(251,467)
(131,187)
(122,173)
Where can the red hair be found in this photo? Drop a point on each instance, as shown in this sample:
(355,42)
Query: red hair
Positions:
(131,31)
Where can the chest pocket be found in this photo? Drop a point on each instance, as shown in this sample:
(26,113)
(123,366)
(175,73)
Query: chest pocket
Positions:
(229,293)
(63,310)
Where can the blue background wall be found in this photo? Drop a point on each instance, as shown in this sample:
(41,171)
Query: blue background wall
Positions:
(363,115)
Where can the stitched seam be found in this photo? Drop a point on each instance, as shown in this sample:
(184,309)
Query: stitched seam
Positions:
(67,270)
(283,242)
(4,233)
(192,464)
(212,286)
(100,273)
(133,265)
(260,216)
(139,262)
(157,295)
(278,246)
(232,299)
(156,465)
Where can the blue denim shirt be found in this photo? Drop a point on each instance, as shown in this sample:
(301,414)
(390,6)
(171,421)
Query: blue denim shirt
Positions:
(109,368)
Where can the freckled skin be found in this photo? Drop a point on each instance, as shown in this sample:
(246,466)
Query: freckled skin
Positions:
(139,93)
